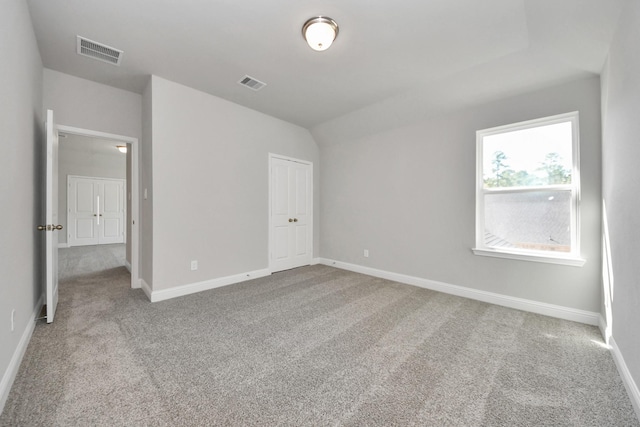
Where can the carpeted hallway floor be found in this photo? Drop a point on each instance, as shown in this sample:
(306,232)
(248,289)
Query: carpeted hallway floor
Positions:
(83,260)
(312,346)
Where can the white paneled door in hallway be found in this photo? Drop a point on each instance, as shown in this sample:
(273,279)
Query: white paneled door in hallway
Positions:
(95,211)
(291,213)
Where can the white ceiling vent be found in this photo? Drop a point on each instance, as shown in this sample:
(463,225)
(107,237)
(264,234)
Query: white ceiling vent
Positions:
(252,83)
(99,51)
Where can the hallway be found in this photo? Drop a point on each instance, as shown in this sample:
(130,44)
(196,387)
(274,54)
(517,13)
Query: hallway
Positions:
(81,260)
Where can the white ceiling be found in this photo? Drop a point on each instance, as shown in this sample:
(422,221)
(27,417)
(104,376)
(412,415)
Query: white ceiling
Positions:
(444,50)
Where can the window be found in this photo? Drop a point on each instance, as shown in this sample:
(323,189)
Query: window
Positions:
(528,188)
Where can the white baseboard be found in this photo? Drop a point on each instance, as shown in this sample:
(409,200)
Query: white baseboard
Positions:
(315,261)
(63,245)
(127,265)
(12,370)
(192,288)
(146,288)
(567,313)
(602,325)
(627,379)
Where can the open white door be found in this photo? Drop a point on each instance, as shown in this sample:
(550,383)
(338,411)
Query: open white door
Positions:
(51,228)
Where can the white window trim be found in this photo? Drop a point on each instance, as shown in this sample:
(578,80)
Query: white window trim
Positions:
(573,258)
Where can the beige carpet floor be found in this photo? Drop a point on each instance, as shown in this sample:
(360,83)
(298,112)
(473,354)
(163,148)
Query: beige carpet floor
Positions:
(313,346)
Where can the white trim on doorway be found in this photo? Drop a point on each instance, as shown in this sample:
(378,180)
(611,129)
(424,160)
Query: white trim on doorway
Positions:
(134,221)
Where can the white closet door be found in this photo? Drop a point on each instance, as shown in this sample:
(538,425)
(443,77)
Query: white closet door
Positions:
(96,211)
(291,217)
(300,187)
(82,199)
(111,229)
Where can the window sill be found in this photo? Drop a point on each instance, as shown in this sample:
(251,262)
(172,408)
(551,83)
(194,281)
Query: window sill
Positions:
(563,260)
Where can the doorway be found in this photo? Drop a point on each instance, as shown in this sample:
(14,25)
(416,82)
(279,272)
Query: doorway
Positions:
(131,191)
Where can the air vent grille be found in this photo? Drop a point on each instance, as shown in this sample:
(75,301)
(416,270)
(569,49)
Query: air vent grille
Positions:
(99,51)
(252,83)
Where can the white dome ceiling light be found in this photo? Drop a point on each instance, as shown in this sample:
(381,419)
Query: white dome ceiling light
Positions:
(320,32)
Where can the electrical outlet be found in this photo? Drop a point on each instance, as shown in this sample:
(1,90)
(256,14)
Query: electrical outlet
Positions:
(194,264)
(366,253)
(13,320)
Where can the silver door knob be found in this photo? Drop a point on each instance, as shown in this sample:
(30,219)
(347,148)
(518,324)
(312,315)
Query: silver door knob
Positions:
(57,227)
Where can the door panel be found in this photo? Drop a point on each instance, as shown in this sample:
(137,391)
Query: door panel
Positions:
(112,211)
(281,184)
(85,196)
(301,204)
(85,231)
(301,240)
(112,198)
(281,236)
(82,194)
(111,230)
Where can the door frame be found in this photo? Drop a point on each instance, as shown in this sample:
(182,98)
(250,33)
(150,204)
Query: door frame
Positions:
(273,156)
(134,221)
(98,178)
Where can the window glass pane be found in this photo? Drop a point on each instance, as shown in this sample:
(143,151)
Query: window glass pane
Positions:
(536,220)
(528,157)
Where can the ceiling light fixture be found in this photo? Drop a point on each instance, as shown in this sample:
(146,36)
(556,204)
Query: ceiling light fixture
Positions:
(320,32)
(122,148)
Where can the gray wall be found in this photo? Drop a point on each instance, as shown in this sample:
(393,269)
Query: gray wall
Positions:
(85,104)
(79,155)
(621,183)
(146,184)
(21,162)
(407,194)
(210,183)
